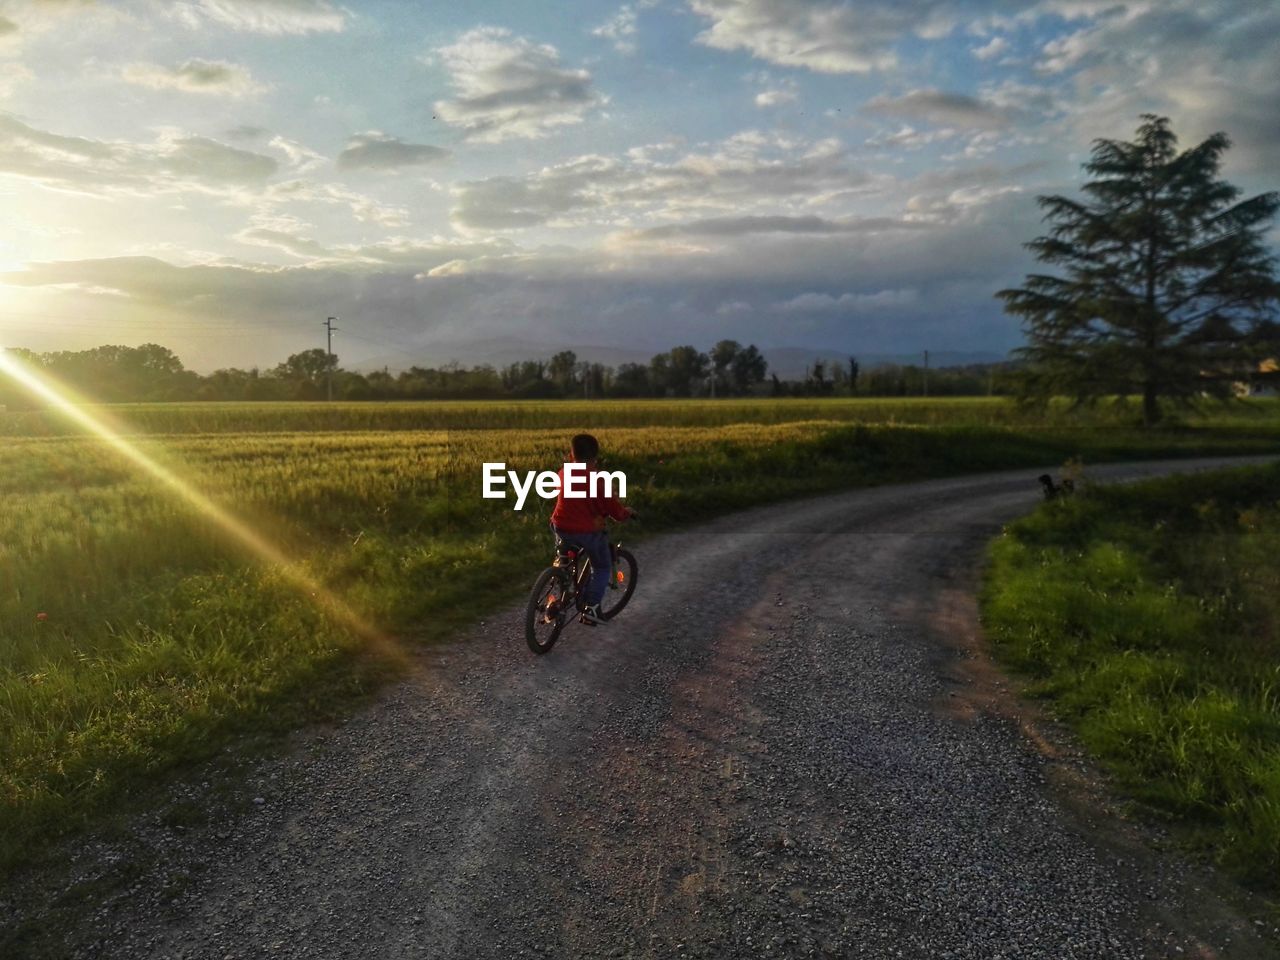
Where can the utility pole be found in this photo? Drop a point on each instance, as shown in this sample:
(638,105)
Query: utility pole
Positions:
(926,373)
(328,329)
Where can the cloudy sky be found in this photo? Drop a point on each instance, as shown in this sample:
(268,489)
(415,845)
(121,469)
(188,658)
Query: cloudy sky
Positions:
(220,175)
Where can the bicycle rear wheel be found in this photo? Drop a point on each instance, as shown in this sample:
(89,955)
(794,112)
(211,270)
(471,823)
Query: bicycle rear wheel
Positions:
(546,614)
(623,584)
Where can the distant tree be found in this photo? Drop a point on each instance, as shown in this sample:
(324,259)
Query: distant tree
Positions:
(592,378)
(527,378)
(310,366)
(118,373)
(747,369)
(853,375)
(660,374)
(259,387)
(351,386)
(723,354)
(839,378)
(561,369)
(382,385)
(631,380)
(819,375)
(597,378)
(1167,285)
(687,367)
(12,394)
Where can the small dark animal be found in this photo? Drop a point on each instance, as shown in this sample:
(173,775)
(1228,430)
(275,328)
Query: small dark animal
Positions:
(1054,490)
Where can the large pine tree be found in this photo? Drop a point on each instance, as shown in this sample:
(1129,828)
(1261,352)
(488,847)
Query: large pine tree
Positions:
(1167,287)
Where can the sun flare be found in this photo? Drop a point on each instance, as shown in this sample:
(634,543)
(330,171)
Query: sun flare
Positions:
(100,425)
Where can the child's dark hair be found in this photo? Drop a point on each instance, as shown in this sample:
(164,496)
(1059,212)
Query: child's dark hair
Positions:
(585,447)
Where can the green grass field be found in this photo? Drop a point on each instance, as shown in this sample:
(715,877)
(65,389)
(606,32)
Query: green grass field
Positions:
(1149,617)
(136,636)
(515,415)
(221,418)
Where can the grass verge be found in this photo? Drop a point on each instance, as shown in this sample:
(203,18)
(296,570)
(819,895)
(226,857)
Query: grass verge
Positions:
(1148,617)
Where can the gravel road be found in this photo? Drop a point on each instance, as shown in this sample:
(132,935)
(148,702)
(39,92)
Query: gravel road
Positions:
(791,744)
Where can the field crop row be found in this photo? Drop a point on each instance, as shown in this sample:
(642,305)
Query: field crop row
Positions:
(197,418)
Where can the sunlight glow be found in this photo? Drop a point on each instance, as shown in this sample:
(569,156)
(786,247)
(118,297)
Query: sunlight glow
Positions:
(236,529)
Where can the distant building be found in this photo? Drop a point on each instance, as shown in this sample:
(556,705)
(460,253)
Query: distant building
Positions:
(1268,387)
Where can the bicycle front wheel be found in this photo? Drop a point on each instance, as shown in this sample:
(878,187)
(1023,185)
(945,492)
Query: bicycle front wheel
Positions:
(546,614)
(621,586)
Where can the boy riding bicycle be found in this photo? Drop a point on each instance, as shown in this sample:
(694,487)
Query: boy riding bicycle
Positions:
(580,522)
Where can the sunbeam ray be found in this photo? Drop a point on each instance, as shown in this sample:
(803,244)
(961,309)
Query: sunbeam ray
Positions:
(237,530)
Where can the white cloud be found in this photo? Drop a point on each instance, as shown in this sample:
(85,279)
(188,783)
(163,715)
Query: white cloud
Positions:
(291,243)
(879,300)
(745,171)
(260,16)
(22,21)
(301,158)
(216,77)
(776,96)
(821,35)
(1063,53)
(510,88)
(174,162)
(1209,66)
(908,137)
(364,208)
(378,151)
(620,28)
(991,49)
(12,76)
(401,254)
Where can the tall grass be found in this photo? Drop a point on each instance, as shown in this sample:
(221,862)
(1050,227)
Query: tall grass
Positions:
(1149,616)
(160,640)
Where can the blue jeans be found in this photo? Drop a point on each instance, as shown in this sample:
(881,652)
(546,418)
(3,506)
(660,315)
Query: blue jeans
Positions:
(597,547)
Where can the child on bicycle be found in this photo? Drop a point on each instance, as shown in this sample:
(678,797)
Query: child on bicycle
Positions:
(580,522)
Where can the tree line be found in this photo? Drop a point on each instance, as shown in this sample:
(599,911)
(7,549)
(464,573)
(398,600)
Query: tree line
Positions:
(151,373)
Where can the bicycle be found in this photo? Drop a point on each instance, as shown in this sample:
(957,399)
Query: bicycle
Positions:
(557,593)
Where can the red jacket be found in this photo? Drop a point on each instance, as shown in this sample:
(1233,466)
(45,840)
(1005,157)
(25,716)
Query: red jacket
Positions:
(585,514)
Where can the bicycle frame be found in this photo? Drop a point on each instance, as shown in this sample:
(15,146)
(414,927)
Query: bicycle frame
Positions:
(582,568)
